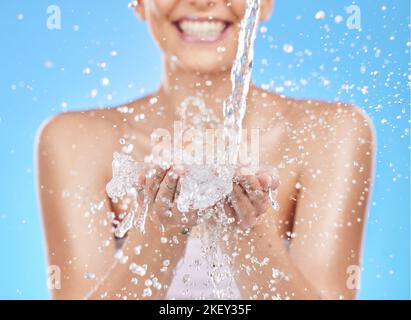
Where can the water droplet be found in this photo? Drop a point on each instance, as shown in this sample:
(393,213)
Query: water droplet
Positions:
(320,15)
(102,65)
(48,64)
(137,250)
(168,213)
(89,276)
(139,117)
(221,49)
(338,19)
(288,48)
(128,149)
(86,71)
(186,278)
(153,100)
(364,90)
(123,259)
(105,81)
(93,93)
(147,292)
(157,285)
(137,269)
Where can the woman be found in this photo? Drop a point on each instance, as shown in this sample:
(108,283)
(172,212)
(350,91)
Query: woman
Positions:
(324,153)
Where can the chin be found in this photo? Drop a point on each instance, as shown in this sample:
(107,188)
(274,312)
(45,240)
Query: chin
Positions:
(205,62)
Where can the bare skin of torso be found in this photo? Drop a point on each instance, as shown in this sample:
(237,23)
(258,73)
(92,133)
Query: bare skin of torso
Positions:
(324,154)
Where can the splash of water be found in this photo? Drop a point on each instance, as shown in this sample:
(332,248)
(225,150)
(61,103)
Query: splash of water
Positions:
(203,180)
(205,186)
(125,176)
(124,182)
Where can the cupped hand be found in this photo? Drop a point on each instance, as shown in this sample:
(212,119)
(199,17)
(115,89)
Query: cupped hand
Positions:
(249,199)
(161,186)
(251,196)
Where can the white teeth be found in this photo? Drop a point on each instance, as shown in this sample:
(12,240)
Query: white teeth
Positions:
(202,29)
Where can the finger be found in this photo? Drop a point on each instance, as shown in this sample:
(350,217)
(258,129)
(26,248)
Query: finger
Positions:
(268,180)
(229,209)
(140,185)
(187,219)
(141,180)
(165,197)
(245,212)
(168,186)
(258,197)
(154,177)
(230,213)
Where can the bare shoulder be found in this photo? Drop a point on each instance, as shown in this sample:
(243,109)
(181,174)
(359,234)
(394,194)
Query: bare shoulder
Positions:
(336,120)
(328,131)
(72,124)
(79,137)
(315,118)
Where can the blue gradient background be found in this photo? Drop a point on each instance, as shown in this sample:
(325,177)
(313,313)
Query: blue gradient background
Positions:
(30,93)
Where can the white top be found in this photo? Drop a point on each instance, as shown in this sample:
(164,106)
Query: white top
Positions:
(191,279)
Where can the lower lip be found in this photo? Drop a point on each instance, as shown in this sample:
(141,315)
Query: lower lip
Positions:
(195,39)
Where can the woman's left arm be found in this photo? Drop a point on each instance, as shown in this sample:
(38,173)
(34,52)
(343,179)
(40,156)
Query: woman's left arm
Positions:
(322,261)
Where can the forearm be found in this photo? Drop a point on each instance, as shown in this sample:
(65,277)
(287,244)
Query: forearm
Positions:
(266,270)
(145,274)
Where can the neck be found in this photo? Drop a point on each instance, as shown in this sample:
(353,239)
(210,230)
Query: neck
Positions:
(178,84)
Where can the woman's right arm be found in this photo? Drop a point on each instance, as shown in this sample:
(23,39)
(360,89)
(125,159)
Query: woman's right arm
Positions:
(72,172)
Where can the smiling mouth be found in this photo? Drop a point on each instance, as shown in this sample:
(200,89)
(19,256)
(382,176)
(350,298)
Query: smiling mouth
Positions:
(202,30)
